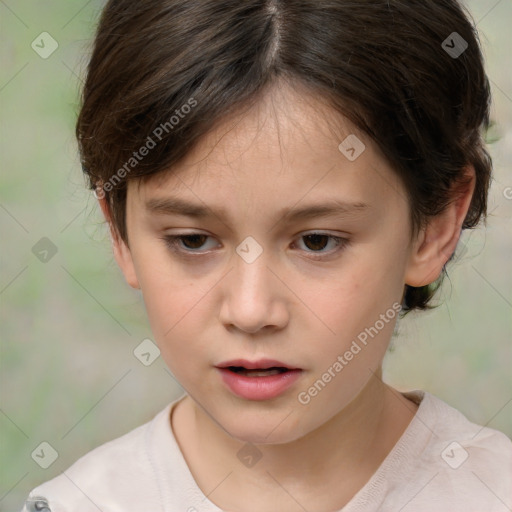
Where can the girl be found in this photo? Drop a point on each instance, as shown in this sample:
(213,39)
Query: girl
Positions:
(224,141)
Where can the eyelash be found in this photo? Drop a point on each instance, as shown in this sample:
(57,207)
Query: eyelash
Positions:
(171,241)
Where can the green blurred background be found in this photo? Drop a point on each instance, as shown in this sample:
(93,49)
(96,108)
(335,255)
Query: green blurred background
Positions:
(69,325)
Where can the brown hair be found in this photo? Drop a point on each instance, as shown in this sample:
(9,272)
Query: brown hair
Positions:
(163,72)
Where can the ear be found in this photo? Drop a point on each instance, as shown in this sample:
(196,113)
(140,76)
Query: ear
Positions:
(436,242)
(122,253)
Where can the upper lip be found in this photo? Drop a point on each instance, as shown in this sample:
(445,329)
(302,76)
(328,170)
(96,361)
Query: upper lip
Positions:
(255,365)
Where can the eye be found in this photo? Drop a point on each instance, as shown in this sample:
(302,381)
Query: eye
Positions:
(191,242)
(317,241)
(314,242)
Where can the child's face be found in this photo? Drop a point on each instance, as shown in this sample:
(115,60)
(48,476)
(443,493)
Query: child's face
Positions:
(302,301)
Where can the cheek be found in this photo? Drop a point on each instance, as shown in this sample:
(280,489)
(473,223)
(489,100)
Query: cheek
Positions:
(172,305)
(359,309)
(175,305)
(162,289)
(174,312)
(358,294)
(361,313)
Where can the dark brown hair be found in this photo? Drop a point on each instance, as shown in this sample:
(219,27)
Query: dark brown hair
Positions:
(164,72)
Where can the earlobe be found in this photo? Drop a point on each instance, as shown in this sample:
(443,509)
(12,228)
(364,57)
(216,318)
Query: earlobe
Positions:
(437,242)
(428,257)
(123,256)
(122,253)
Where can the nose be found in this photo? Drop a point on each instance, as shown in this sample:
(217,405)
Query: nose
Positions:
(254,297)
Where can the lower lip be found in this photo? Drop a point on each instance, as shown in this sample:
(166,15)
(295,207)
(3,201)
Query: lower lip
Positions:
(259,388)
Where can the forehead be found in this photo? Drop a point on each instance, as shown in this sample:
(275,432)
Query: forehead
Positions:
(281,151)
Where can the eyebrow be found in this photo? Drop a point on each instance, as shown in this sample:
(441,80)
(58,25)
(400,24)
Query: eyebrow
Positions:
(331,208)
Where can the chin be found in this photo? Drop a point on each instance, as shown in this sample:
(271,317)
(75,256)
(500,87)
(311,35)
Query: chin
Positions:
(260,437)
(259,431)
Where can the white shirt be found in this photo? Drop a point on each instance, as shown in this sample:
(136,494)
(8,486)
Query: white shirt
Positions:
(442,462)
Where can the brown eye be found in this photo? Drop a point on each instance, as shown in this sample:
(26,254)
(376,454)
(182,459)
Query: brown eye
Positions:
(186,243)
(193,241)
(316,242)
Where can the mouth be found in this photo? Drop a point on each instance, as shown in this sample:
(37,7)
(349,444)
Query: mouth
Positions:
(260,368)
(258,380)
(259,372)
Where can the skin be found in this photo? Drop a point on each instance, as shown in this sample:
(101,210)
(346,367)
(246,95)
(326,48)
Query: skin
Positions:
(287,305)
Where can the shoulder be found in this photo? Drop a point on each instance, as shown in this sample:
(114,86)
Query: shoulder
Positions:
(472,463)
(482,444)
(121,468)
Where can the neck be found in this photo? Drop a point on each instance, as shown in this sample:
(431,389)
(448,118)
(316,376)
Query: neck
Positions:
(342,454)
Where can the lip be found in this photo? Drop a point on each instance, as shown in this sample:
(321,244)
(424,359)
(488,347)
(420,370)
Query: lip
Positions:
(258,388)
(254,365)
